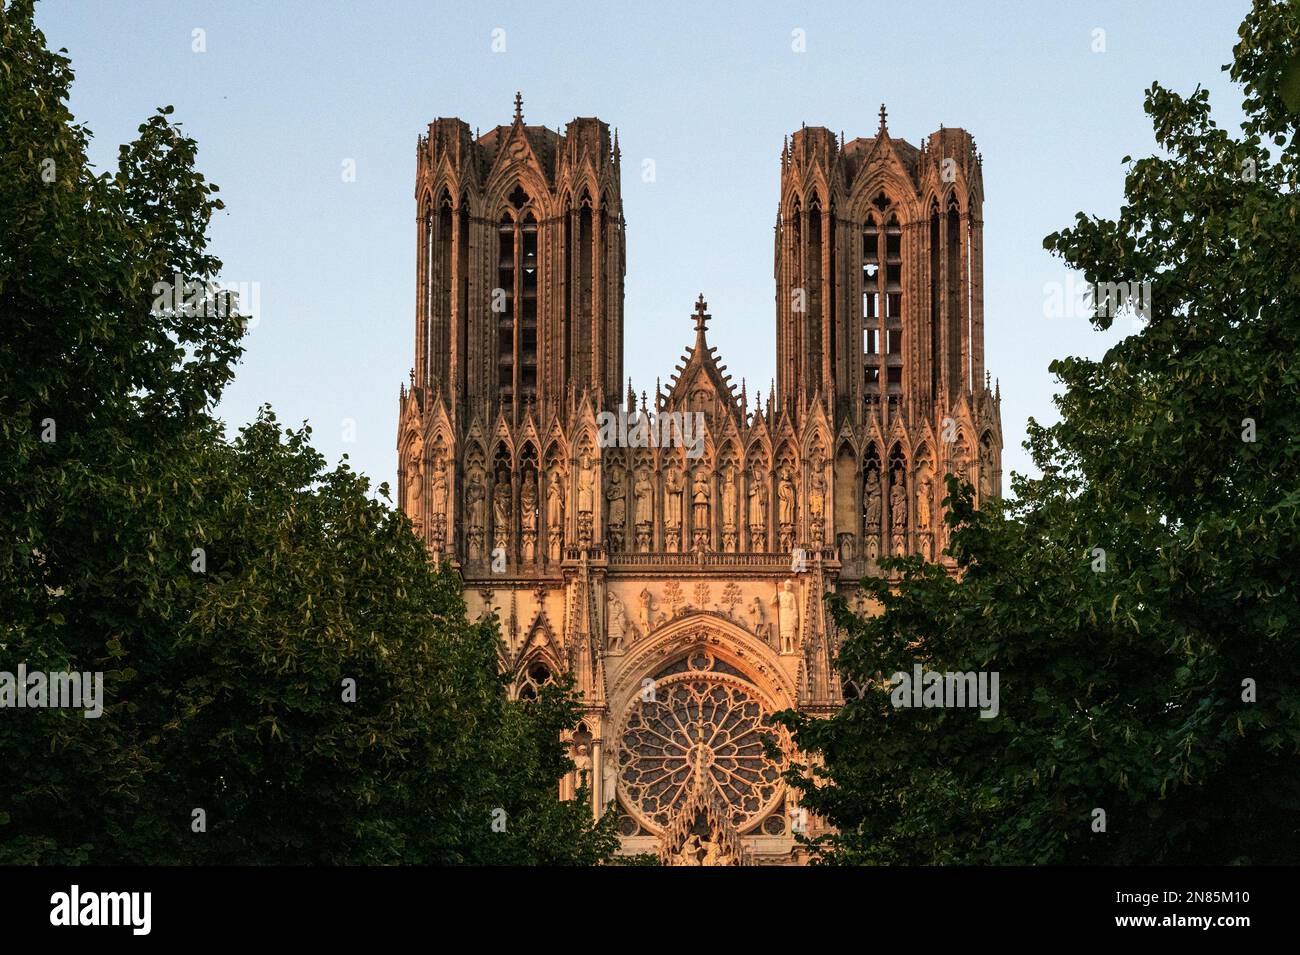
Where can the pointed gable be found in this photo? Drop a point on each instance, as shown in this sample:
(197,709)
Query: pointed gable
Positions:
(701,384)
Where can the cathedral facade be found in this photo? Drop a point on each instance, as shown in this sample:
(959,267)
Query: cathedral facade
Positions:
(672,550)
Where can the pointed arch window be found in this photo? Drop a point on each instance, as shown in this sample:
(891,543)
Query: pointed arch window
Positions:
(528,274)
(462,295)
(936,354)
(503,305)
(581,280)
(534,676)
(813,291)
(440,318)
(954,309)
(882,301)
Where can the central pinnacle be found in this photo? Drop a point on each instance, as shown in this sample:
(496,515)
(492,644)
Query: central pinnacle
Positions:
(701,316)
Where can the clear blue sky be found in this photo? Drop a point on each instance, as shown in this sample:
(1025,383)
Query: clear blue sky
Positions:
(286,91)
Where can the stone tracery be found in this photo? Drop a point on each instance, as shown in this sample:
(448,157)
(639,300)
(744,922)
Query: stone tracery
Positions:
(702,729)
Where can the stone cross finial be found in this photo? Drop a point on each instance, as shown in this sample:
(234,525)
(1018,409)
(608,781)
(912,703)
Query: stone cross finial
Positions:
(519,107)
(882,117)
(701,316)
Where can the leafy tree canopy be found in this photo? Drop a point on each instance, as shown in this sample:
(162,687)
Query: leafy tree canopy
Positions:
(1138,600)
(277,649)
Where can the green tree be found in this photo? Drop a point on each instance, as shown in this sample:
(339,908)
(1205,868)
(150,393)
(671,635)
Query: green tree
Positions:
(1160,685)
(227,590)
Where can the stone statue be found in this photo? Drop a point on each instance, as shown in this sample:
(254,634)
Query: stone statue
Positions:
(616,495)
(872,507)
(700,501)
(438,495)
(413,487)
(475,502)
(501,506)
(960,466)
(689,853)
(617,631)
(787,605)
(785,497)
(673,499)
(758,621)
(555,502)
(609,780)
(898,504)
(586,484)
(582,764)
(528,502)
(474,498)
(647,611)
(923,504)
(817,496)
(715,853)
(757,499)
(644,491)
(729,498)
(987,478)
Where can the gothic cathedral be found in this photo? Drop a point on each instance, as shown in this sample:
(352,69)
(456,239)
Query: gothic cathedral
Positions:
(681,581)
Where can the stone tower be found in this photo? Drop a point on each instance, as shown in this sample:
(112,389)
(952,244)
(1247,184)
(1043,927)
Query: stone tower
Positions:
(880,325)
(672,550)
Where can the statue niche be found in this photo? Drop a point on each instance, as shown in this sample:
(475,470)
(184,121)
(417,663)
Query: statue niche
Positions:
(616,509)
(501,510)
(475,511)
(643,494)
(673,509)
(701,501)
(757,510)
(586,496)
(729,497)
(555,513)
(785,496)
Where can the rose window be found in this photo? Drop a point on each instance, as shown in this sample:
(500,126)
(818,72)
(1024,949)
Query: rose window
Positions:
(704,725)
